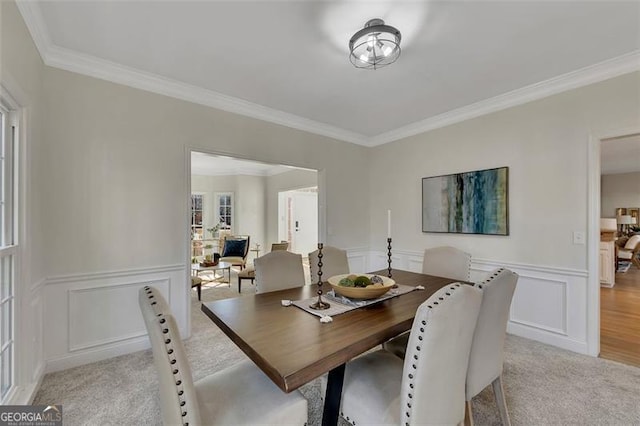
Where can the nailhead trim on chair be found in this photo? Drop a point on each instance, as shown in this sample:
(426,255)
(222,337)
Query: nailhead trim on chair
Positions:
(488,280)
(419,347)
(170,350)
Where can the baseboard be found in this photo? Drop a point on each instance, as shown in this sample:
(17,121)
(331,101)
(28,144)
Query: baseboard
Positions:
(97,354)
(548,338)
(25,395)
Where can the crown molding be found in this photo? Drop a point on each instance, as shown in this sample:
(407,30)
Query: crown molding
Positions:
(69,60)
(106,70)
(592,74)
(73,61)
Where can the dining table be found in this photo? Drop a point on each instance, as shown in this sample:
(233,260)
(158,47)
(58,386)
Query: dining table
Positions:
(293,347)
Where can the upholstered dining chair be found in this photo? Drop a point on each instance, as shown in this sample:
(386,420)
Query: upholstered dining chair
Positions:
(278,270)
(428,386)
(444,261)
(249,273)
(334,262)
(235,250)
(630,251)
(448,262)
(283,245)
(241,394)
(487,349)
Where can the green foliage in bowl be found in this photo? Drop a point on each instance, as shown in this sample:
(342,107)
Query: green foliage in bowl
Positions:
(361,281)
(346,282)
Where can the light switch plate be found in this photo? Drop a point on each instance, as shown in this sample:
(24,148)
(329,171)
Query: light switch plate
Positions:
(579,238)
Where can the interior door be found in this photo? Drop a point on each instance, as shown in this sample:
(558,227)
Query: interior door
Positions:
(304,222)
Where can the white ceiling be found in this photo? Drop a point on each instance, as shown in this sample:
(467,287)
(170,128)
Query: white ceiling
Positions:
(620,155)
(215,165)
(287,61)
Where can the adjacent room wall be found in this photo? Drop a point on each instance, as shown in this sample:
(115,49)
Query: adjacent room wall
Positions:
(544,144)
(251,209)
(619,190)
(294,179)
(249,202)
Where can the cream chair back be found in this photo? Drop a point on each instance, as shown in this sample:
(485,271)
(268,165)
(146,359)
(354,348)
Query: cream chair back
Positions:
(435,366)
(487,350)
(278,270)
(448,262)
(632,242)
(280,246)
(334,262)
(178,398)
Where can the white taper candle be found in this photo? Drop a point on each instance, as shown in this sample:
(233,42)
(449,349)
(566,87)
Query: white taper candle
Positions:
(388,223)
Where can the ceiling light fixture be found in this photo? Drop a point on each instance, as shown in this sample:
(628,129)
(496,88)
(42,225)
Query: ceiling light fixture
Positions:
(374,46)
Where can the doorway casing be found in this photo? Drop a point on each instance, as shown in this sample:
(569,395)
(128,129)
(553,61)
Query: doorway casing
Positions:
(593,233)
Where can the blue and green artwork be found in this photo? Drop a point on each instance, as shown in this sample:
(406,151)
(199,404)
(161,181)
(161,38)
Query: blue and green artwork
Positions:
(467,203)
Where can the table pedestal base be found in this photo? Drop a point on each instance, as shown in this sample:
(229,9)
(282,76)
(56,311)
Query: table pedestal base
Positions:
(333,396)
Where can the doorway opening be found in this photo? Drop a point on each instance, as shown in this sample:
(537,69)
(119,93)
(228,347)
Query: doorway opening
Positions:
(232,198)
(619,248)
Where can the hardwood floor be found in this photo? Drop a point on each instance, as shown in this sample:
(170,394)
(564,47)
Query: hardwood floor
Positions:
(620,319)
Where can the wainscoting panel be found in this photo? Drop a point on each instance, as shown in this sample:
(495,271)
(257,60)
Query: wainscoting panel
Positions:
(358,259)
(553,317)
(549,304)
(89,317)
(101,324)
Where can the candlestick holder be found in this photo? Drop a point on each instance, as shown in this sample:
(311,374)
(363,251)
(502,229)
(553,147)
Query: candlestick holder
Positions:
(389,260)
(319,304)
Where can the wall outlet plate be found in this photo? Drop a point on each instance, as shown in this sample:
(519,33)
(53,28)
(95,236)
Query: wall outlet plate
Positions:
(579,238)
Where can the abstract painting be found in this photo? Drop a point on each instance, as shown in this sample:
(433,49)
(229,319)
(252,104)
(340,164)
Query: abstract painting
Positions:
(467,203)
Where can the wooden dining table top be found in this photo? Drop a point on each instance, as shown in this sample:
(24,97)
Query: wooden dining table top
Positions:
(293,347)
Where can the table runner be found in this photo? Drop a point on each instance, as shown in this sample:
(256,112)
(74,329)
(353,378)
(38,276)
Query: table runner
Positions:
(340,304)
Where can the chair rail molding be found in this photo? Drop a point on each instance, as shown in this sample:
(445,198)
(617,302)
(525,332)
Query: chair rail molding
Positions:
(549,305)
(93,316)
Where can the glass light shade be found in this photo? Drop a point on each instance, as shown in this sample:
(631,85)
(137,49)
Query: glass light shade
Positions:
(375,46)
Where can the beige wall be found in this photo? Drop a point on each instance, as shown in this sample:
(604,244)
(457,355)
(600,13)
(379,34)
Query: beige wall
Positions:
(619,190)
(116,171)
(544,144)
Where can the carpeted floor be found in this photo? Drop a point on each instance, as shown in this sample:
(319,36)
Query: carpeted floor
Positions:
(544,385)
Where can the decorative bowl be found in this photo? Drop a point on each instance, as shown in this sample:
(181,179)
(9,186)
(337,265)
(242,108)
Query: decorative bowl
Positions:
(369,292)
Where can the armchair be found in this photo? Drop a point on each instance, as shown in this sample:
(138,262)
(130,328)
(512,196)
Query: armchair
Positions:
(630,251)
(235,250)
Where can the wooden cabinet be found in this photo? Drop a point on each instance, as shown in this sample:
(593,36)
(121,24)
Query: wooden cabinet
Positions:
(607,263)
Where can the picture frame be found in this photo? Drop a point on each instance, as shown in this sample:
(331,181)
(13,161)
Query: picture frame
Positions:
(475,202)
